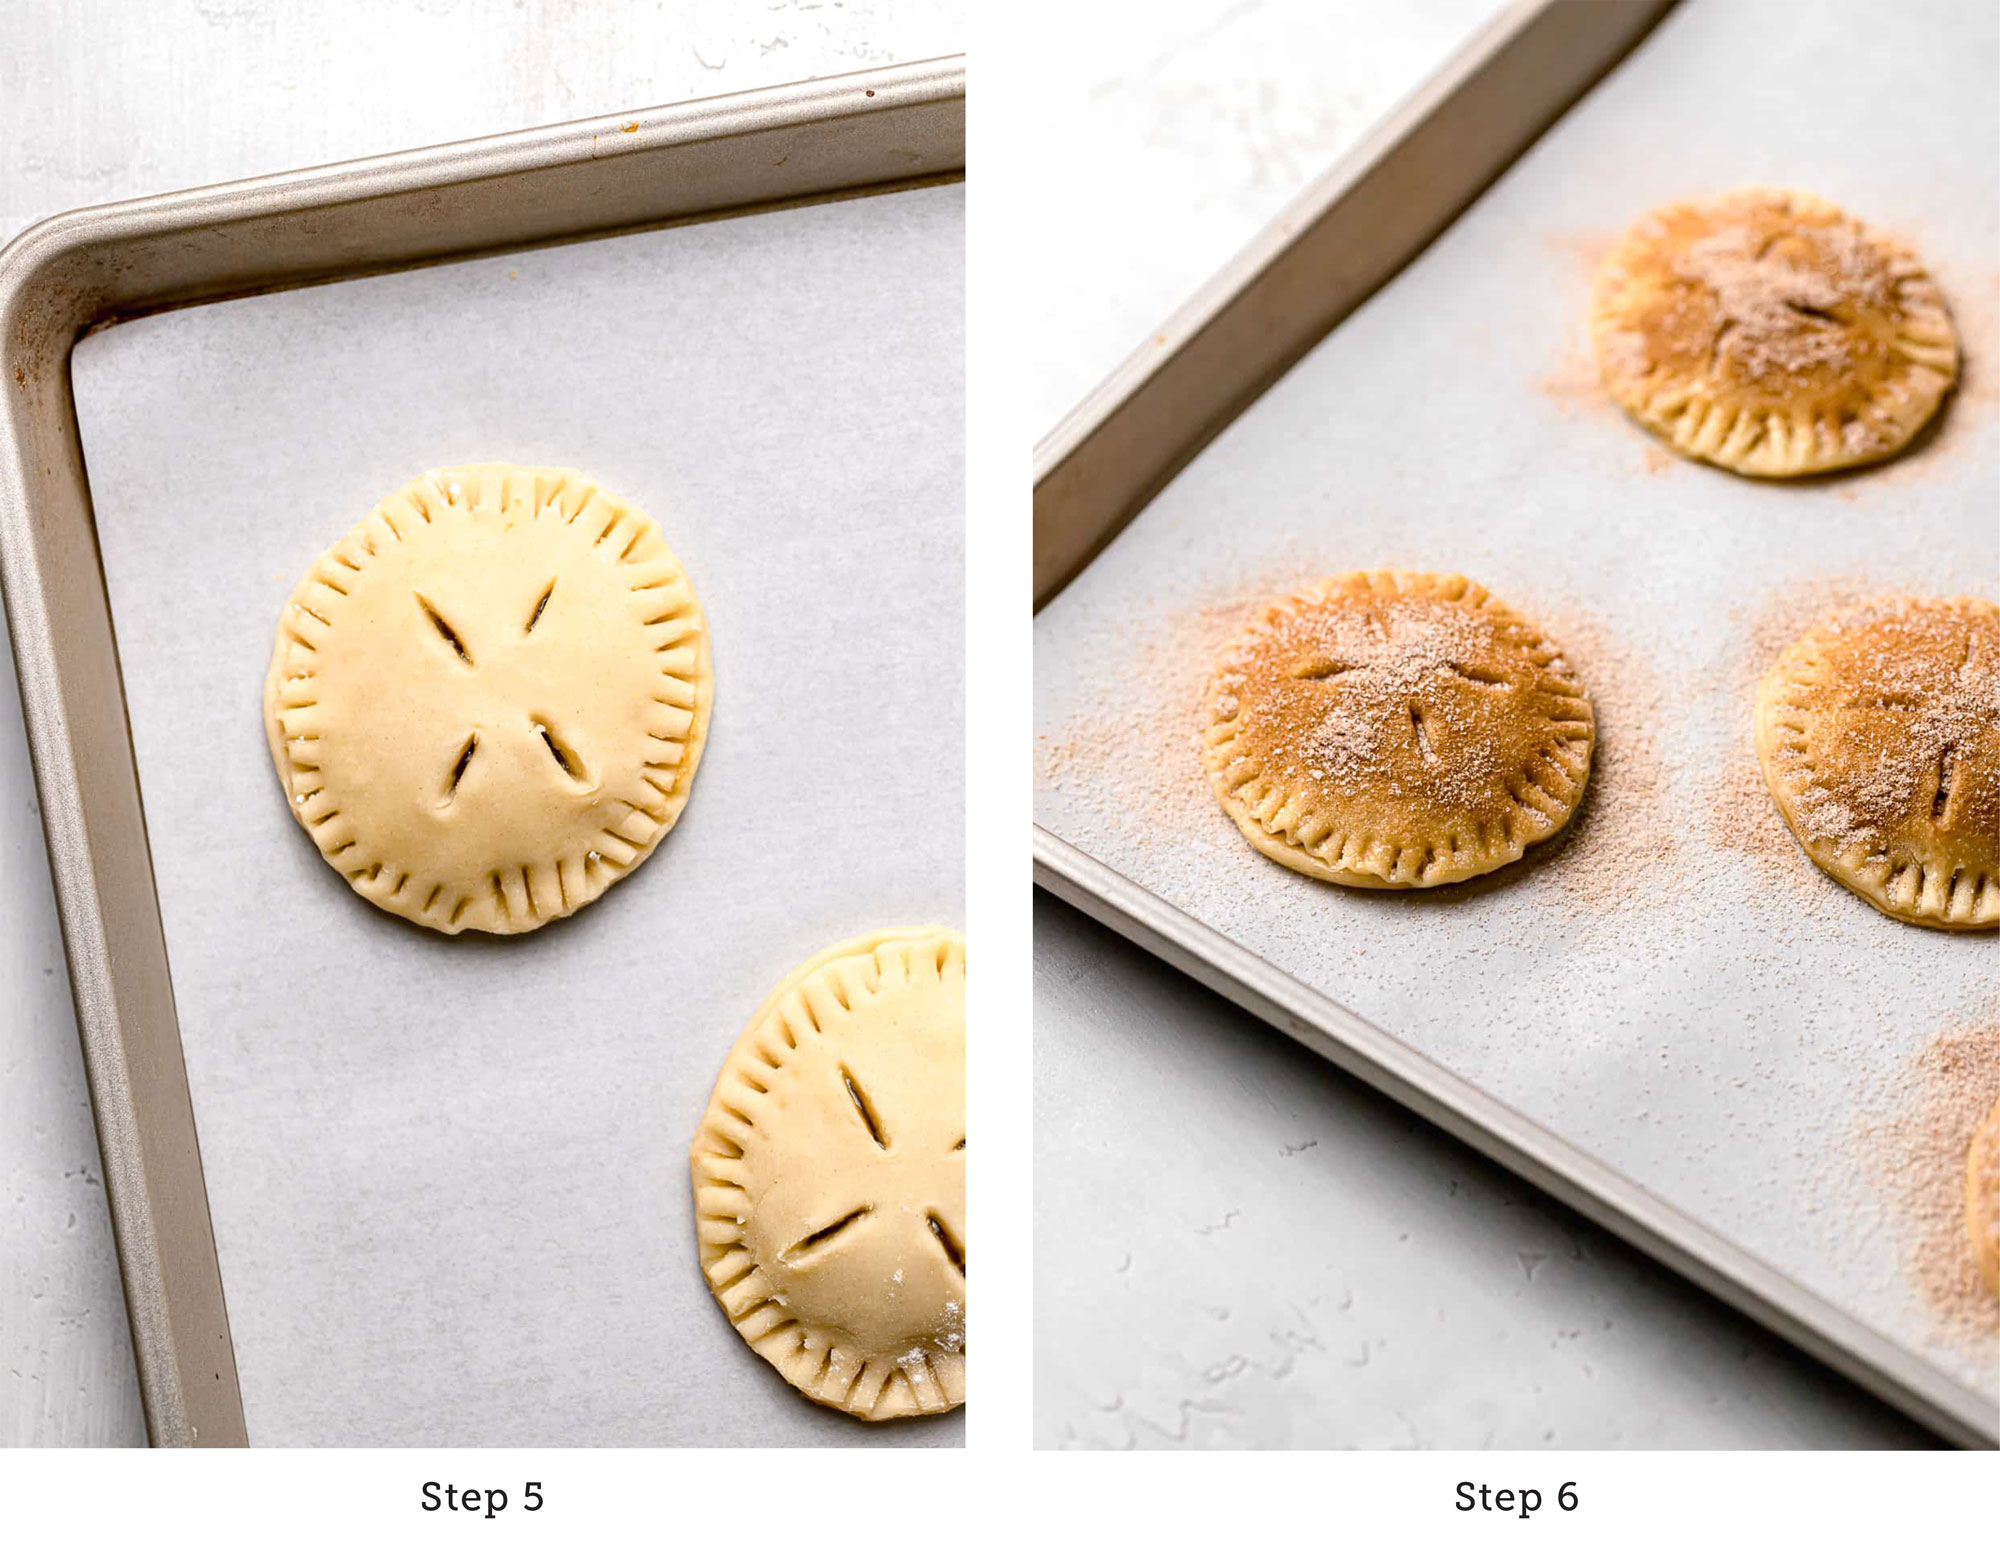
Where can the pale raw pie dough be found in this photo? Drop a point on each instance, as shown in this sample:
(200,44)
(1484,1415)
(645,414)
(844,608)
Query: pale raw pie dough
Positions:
(829,1177)
(487,702)
(1982,1198)
(1769,333)
(1879,733)
(1396,729)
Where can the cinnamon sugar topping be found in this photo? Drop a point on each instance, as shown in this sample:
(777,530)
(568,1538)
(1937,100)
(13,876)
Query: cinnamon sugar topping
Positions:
(1396,729)
(1880,738)
(1767,332)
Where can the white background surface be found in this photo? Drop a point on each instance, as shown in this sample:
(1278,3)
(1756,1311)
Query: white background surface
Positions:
(103,100)
(1160,146)
(1302,1265)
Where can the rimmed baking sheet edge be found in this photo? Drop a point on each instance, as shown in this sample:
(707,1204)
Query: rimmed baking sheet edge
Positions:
(867,132)
(1401,187)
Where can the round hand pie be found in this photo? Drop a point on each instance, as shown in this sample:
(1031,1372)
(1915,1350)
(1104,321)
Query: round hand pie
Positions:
(1879,733)
(487,702)
(1768,333)
(1396,729)
(829,1177)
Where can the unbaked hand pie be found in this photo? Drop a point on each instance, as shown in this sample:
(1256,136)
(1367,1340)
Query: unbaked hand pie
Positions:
(829,1177)
(1982,1199)
(1396,729)
(1879,733)
(1769,333)
(487,701)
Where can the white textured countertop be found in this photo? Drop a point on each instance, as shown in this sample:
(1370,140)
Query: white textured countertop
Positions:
(107,99)
(1312,1266)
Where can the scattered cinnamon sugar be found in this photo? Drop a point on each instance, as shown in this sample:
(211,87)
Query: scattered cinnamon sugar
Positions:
(1577,387)
(1138,749)
(1582,252)
(1975,307)
(1772,623)
(1982,1198)
(1574,382)
(1626,827)
(1743,819)
(1913,1139)
(1741,815)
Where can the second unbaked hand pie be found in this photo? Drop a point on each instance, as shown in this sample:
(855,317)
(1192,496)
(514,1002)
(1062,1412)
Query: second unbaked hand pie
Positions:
(829,1177)
(487,702)
(1767,332)
(1879,734)
(1396,729)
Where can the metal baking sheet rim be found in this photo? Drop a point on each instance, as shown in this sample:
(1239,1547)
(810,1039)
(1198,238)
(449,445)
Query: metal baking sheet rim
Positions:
(1088,486)
(1345,235)
(855,134)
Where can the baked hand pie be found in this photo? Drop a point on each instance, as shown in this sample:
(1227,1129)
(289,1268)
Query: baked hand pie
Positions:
(1982,1199)
(487,702)
(1396,729)
(829,1177)
(1767,332)
(1879,734)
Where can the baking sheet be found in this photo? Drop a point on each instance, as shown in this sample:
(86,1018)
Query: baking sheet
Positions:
(1672,988)
(448,1177)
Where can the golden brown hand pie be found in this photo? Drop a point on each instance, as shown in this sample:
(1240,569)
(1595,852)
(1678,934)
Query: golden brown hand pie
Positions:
(829,1177)
(487,701)
(1768,333)
(1396,729)
(1879,733)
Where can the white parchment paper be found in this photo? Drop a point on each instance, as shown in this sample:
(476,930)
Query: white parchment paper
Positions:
(1715,1027)
(449,1177)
